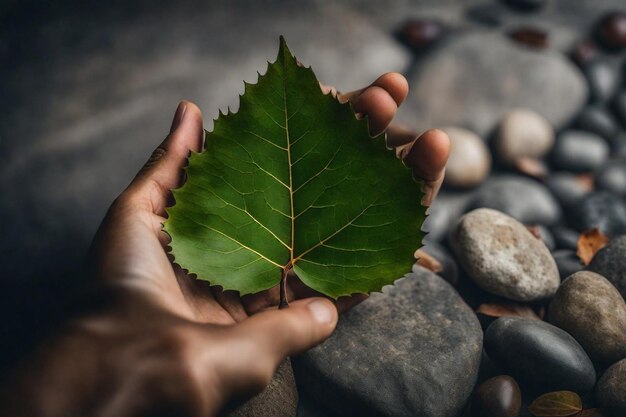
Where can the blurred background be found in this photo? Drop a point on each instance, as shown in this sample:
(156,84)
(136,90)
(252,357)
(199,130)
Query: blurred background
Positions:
(88,89)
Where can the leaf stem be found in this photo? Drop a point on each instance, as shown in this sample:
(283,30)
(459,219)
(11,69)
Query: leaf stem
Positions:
(284,303)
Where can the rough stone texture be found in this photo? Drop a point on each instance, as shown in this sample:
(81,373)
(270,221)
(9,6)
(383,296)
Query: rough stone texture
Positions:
(610,262)
(503,257)
(399,353)
(469,162)
(611,388)
(589,308)
(278,399)
(475,78)
(540,354)
(522,198)
(523,133)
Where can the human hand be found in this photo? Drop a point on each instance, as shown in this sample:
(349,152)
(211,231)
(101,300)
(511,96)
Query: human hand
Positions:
(153,341)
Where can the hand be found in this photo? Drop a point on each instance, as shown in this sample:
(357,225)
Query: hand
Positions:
(151,340)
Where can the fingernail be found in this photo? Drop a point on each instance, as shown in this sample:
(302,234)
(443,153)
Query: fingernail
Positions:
(178,117)
(322,312)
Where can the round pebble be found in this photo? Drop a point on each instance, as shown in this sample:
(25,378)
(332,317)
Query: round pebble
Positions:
(584,52)
(539,354)
(525,199)
(612,177)
(611,388)
(469,162)
(567,262)
(600,209)
(503,257)
(523,133)
(565,238)
(579,151)
(499,396)
(611,30)
(602,78)
(597,120)
(567,188)
(610,262)
(590,308)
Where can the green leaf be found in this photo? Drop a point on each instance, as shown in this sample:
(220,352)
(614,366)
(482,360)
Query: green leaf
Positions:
(294,180)
(556,404)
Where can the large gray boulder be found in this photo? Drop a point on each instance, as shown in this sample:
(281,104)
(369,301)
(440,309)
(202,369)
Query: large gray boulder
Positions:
(413,350)
(476,78)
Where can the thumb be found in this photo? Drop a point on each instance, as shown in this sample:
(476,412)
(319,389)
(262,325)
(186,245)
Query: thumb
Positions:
(290,331)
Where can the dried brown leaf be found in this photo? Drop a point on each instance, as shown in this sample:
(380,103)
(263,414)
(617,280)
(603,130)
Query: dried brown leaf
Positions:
(428,261)
(535,230)
(590,242)
(507,308)
(556,404)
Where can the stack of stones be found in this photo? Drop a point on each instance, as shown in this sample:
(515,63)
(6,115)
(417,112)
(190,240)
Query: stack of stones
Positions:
(510,312)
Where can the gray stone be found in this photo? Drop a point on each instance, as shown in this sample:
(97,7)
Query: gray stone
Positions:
(523,133)
(565,238)
(278,399)
(567,262)
(612,177)
(450,270)
(579,151)
(398,353)
(603,80)
(567,188)
(597,120)
(611,388)
(590,308)
(503,257)
(477,77)
(444,213)
(610,262)
(469,162)
(599,209)
(539,354)
(522,198)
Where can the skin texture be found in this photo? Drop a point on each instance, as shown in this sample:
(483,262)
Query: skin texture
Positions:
(149,340)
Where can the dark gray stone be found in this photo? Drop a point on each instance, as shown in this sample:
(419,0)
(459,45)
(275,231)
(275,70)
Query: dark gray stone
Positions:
(565,238)
(444,213)
(477,77)
(398,353)
(612,177)
(522,198)
(579,151)
(600,209)
(619,106)
(567,262)
(603,80)
(590,308)
(597,120)
(611,388)
(503,257)
(610,262)
(450,271)
(567,188)
(539,354)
